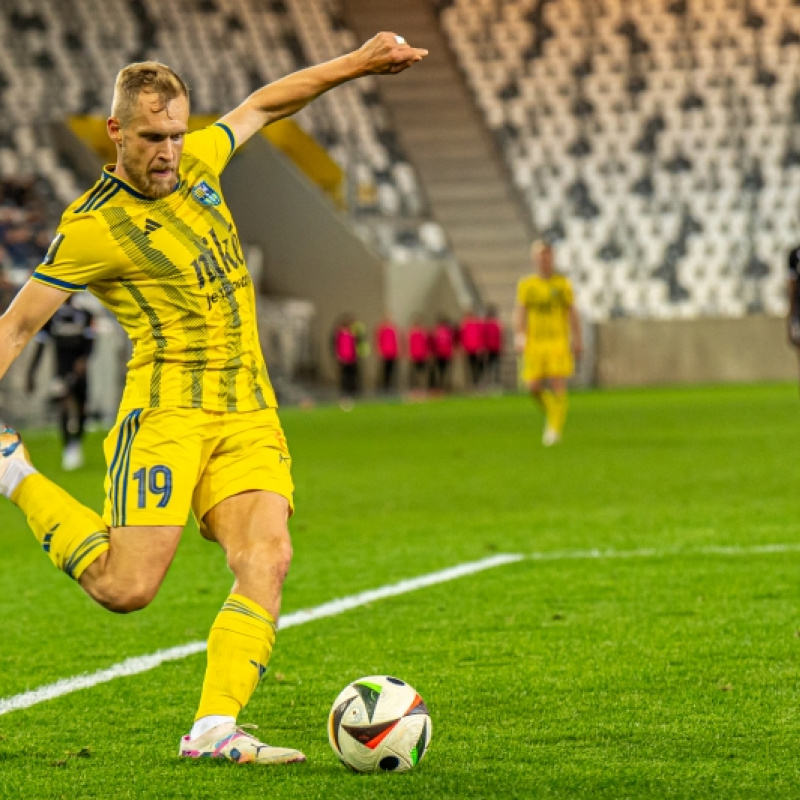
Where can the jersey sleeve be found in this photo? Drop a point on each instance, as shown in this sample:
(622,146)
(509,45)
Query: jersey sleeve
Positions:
(213,145)
(76,257)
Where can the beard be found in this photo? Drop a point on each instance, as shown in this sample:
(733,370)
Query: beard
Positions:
(144,181)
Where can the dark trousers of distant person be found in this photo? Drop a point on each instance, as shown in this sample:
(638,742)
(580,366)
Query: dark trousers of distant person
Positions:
(440,374)
(73,393)
(72,415)
(475,368)
(348,379)
(418,374)
(388,371)
(492,368)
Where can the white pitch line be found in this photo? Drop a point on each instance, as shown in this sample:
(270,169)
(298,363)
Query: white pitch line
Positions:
(649,552)
(139,664)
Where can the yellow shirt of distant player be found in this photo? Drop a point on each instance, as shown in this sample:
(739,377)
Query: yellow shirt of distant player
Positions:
(547,302)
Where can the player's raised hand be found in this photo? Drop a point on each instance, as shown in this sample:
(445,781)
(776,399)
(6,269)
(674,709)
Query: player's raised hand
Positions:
(388,53)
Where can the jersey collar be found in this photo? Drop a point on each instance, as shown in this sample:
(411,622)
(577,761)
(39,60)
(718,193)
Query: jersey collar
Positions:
(108,171)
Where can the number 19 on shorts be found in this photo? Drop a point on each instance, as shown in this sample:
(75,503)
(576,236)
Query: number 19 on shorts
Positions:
(154,485)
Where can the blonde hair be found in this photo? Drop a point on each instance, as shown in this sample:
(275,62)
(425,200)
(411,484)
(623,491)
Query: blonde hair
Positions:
(144,76)
(539,245)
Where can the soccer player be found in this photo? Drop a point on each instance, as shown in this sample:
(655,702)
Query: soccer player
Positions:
(387,340)
(470,337)
(197,429)
(70,330)
(418,352)
(493,346)
(793,295)
(547,332)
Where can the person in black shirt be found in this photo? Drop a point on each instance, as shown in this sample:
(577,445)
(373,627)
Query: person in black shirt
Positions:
(793,290)
(70,330)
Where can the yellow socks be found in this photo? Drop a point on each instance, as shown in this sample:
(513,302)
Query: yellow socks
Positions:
(559,416)
(72,535)
(550,405)
(239,647)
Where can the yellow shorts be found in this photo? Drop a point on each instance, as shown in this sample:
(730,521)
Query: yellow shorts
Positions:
(164,462)
(547,361)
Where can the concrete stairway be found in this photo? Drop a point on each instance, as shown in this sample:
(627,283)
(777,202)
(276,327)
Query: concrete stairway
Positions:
(443,133)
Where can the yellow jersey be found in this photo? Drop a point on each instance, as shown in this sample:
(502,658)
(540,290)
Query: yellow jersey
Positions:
(547,302)
(172,271)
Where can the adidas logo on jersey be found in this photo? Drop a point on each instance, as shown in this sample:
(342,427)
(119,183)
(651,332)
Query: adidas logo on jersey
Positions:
(151,225)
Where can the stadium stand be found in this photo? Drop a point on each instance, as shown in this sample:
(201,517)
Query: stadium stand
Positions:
(61,58)
(655,142)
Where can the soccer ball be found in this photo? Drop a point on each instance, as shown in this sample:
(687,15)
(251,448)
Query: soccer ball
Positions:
(378,724)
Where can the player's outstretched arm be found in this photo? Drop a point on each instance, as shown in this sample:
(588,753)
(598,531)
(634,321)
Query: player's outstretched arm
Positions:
(385,53)
(32,307)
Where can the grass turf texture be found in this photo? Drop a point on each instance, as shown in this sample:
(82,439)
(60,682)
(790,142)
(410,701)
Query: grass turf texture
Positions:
(664,676)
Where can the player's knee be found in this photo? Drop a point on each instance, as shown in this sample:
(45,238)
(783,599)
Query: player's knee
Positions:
(125,599)
(268,559)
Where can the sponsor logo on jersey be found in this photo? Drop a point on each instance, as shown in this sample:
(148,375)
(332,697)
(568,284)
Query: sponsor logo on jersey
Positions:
(204,194)
(151,225)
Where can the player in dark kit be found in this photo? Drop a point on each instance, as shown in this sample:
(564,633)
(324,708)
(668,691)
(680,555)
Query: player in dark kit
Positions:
(70,330)
(793,291)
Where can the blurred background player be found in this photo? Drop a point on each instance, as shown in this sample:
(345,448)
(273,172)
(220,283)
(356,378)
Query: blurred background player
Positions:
(387,342)
(547,332)
(442,346)
(70,331)
(418,352)
(492,347)
(345,351)
(471,341)
(793,289)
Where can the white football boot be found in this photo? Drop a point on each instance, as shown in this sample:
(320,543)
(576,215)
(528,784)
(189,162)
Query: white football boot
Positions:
(15,462)
(231,742)
(550,436)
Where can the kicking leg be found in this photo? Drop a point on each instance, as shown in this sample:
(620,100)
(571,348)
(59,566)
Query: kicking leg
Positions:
(129,574)
(121,568)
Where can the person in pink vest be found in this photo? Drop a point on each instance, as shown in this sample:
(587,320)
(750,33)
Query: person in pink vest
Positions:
(418,352)
(345,350)
(492,345)
(443,340)
(471,336)
(387,341)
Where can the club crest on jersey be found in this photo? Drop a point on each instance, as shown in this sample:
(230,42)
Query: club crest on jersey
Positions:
(204,194)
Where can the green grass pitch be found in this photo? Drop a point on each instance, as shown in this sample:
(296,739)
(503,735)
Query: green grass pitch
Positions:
(666,667)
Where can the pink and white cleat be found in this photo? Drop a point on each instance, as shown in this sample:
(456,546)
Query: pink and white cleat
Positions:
(231,742)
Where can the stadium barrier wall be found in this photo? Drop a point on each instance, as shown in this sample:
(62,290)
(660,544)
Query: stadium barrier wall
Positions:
(632,352)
